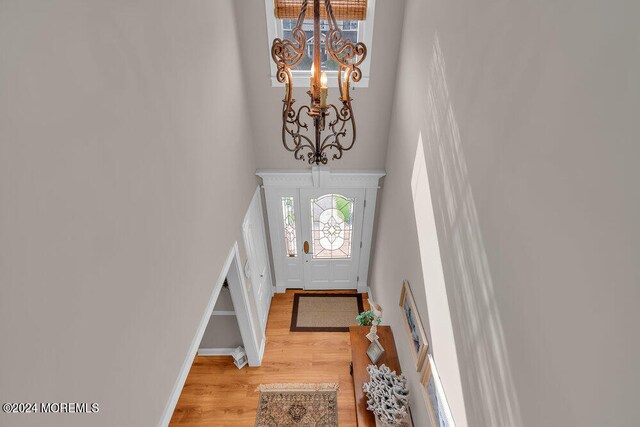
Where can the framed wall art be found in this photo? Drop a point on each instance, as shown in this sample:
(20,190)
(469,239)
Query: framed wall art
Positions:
(413,325)
(433,392)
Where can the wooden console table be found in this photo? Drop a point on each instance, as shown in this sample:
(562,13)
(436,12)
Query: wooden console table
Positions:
(360,361)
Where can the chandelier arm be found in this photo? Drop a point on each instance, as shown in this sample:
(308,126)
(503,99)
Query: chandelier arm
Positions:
(299,141)
(333,122)
(336,154)
(336,135)
(332,126)
(286,131)
(303,12)
(296,134)
(287,54)
(343,116)
(326,146)
(288,113)
(347,116)
(344,74)
(343,51)
(336,141)
(288,93)
(302,123)
(330,17)
(347,54)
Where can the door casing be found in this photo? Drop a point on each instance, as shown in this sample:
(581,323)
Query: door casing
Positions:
(257,264)
(289,271)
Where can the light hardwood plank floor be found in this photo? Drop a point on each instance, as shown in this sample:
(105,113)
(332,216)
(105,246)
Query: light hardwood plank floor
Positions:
(216,393)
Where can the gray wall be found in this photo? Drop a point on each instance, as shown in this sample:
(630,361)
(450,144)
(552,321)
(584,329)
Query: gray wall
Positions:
(119,123)
(528,112)
(371,105)
(223,330)
(224,302)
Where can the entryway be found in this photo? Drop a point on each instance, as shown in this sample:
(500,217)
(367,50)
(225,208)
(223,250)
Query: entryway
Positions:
(321,224)
(217,393)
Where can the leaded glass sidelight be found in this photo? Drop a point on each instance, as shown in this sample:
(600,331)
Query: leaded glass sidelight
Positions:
(289,220)
(332,226)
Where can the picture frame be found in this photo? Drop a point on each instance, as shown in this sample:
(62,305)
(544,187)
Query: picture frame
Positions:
(433,392)
(413,325)
(374,351)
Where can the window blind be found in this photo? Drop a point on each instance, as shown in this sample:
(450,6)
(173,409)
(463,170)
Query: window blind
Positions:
(352,10)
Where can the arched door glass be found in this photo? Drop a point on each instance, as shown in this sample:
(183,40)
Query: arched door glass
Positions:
(332,226)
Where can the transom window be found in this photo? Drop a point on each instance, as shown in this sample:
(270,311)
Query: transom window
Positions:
(331,226)
(356,31)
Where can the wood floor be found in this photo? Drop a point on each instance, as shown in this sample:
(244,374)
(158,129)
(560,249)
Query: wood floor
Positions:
(216,393)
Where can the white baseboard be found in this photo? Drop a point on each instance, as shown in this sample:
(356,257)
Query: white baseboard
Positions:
(280,289)
(215,351)
(223,313)
(370,292)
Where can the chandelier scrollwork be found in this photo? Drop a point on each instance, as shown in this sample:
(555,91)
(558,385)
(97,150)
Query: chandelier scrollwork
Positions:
(337,122)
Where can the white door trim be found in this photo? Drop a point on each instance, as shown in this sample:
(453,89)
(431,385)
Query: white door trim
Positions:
(247,329)
(256,203)
(252,337)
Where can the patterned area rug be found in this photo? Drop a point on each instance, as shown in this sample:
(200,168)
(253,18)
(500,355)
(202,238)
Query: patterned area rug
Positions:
(308,405)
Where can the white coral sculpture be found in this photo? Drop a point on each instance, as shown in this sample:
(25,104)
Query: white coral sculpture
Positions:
(388,396)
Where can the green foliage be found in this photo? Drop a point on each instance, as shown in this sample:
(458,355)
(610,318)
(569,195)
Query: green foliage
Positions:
(291,218)
(344,207)
(366,318)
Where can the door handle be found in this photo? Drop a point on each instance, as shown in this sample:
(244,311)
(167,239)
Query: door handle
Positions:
(305,247)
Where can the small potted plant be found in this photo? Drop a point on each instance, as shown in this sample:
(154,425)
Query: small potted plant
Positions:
(366,318)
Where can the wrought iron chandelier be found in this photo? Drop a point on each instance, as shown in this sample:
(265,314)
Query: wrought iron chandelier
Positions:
(339,120)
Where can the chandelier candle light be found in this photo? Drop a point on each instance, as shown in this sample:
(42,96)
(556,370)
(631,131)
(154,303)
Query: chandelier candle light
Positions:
(337,120)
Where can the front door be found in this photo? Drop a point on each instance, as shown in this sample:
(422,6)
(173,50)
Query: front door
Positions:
(331,223)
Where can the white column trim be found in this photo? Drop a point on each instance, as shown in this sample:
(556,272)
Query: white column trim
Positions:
(320,176)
